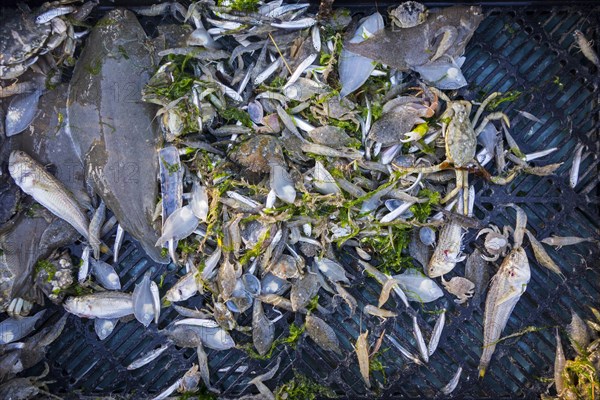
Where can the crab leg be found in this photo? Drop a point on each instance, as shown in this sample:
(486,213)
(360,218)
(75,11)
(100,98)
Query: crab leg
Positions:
(491,117)
(483,105)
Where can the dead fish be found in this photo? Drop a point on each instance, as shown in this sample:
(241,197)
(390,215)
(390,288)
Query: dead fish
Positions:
(171,181)
(420,341)
(34,180)
(21,112)
(263,331)
(203,365)
(404,351)
(449,388)
(118,241)
(322,334)
(509,283)
(143,301)
(303,290)
(436,333)
(183,289)
(477,271)
(448,250)
(362,353)
(14,329)
(94,230)
(279,301)
(541,255)
(105,274)
(574,173)
(106,133)
(104,327)
(578,332)
(148,357)
(84,268)
(105,305)
(155,300)
(559,365)
(560,241)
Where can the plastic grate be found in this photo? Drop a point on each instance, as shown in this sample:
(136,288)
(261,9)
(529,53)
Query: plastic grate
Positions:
(529,50)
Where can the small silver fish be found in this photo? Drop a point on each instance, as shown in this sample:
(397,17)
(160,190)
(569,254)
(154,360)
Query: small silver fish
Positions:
(53,13)
(437,333)
(185,288)
(105,305)
(449,388)
(118,241)
(148,357)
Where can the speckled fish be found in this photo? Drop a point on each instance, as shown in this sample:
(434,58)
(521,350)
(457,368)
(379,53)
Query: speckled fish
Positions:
(322,334)
(34,180)
(579,333)
(113,131)
(104,327)
(541,255)
(21,112)
(143,302)
(13,329)
(509,283)
(105,305)
(560,241)
(303,290)
(105,274)
(477,271)
(263,331)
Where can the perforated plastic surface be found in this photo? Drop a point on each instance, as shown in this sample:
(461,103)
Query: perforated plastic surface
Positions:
(524,49)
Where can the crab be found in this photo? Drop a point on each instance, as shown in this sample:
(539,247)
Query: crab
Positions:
(460,140)
(334,107)
(461,287)
(408,14)
(23,39)
(27,388)
(496,242)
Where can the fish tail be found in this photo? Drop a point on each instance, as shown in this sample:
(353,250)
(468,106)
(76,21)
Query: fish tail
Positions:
(481,372)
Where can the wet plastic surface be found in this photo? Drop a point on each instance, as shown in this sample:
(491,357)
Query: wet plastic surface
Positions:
(521,49)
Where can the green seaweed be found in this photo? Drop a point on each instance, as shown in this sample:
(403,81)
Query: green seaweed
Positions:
(240,5)
(511,95)
(45,265)
(235,114)
(301,387)
(423,210)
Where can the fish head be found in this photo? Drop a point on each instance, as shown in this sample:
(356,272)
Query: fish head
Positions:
(20,166)
(518,267)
